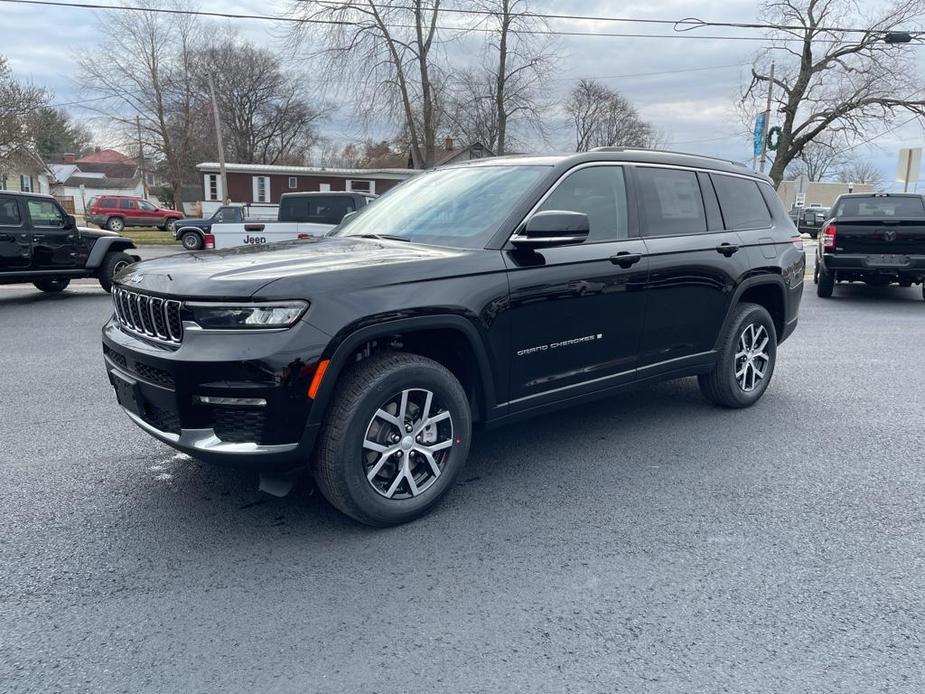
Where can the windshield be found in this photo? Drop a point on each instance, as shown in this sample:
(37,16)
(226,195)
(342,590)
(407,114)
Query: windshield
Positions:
(450,207)
(881,206)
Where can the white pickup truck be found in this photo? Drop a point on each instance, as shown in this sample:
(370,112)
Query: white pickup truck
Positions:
(301,215)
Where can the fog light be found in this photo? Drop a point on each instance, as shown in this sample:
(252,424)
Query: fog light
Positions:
(232,402)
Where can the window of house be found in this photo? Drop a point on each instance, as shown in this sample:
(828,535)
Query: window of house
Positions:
(361,186)
(25,184)
(293,183)
(213,187)
(600,193)
(672,202)
(45,213)
(261,189)
(742,203)
(3,182)
(324,187)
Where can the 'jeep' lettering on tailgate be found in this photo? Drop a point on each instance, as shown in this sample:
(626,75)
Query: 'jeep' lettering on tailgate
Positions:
(255,239)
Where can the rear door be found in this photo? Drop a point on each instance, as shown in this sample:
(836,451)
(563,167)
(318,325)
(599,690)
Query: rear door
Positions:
(129,210)
(694,266)
(15,238)
(54,247)
(577,311)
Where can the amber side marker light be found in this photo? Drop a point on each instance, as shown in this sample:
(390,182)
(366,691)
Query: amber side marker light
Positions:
(317,378)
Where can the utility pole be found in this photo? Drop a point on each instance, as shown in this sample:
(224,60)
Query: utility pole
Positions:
(767,121)
(218,137)
(141,160)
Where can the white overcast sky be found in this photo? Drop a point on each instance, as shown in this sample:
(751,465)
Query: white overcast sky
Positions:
(692,100)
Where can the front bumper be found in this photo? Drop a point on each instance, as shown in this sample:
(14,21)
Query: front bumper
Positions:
(160,389)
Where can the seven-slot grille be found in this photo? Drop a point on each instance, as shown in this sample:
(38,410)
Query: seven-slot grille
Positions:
(151,316)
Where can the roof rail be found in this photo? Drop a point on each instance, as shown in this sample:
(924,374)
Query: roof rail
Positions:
(666,151)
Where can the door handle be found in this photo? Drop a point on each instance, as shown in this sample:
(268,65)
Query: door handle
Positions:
(625,259)
(727,249)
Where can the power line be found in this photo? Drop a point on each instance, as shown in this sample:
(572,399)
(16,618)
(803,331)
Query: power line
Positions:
(334,22)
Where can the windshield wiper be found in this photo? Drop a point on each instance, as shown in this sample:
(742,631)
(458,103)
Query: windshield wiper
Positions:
(390,237)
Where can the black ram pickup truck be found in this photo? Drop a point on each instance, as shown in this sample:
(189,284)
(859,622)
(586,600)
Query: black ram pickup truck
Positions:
(877,238)
(469,296)
(41,244)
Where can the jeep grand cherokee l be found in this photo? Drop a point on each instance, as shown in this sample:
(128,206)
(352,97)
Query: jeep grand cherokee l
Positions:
(468,296)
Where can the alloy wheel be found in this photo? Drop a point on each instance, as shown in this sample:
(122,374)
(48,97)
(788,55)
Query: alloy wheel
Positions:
(752,359)
(119,267)
(407,444)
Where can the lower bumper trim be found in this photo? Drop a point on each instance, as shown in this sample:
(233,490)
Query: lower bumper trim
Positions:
(206,441)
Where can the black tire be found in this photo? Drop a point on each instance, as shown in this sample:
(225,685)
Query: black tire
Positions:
(116,224)
(52,285)
(826,284)
(170,225)
(816,273)
(721,386)
(340,468)
(113,264)
(191,241)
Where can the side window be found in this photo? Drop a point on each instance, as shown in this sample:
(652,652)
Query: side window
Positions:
(294,209)
(45,214)
(600,193)
(9,212)
(108,203)
(127,205)
(330,210)
(742,203)
(672,202)
(145,205)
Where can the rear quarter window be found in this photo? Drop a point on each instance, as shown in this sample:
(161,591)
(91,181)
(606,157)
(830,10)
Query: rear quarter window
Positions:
(741,202)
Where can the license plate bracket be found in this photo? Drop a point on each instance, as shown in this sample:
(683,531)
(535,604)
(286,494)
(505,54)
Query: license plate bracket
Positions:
(887,260)
(128,392)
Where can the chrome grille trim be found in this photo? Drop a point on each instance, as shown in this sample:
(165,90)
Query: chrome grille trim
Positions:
(150,316)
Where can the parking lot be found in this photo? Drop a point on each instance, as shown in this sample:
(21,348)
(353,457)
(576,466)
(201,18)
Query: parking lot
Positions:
(648,542)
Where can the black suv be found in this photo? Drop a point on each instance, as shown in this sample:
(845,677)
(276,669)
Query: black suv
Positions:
(469,295)
(42,244)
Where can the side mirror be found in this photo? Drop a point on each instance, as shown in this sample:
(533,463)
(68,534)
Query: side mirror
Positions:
(553,228)
(70,222)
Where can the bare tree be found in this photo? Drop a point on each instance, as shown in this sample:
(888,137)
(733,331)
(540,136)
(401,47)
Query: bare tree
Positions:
(819,160)
(265,114)
(604,118)
(387,51)
(504,93)
(19,102)
(147,70)
(862,171)
(837,82)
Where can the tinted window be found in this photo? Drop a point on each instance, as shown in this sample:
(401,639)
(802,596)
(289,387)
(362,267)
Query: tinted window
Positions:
(600,193)
(126,204)
(145,205)
(742,203)
(9,212)
(45,213)
(672,202)
(329,210)
(107,202)
(880,207)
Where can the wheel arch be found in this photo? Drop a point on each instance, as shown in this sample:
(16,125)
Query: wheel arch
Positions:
(178,233)
(451,340)
(103,246)
(768,291)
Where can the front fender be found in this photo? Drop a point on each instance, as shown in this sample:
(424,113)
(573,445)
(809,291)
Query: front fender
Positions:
(104,245)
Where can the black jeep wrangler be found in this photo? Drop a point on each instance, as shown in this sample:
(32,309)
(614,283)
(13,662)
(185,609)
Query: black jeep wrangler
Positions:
(468,296)
(42,244)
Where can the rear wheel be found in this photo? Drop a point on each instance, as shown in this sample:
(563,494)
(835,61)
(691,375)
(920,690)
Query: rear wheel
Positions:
(826,284)
(113,264)
(191,241)
(116,224)
(746,360)
(395,437)
(52,285)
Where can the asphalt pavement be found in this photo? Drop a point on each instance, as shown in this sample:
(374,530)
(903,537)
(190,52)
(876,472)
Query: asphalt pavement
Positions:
(646,543)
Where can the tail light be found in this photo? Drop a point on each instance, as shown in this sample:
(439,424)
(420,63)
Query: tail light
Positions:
(303,237)
(208,241)
(828,235)
(798,242)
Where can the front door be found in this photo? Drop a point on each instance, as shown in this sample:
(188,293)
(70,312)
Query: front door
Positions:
(576,311)
(15,239)
(694,267)
(54,245)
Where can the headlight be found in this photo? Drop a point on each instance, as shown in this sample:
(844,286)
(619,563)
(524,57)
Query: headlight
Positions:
(246,316)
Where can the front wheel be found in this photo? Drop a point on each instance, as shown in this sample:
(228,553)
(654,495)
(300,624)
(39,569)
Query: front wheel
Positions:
(52,285)
(170,225)
(395,437)
(191,241)
(746,361)
(113,264)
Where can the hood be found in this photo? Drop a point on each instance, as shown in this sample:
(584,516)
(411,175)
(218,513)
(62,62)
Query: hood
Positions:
(193,222)
(295,269)
(89,233)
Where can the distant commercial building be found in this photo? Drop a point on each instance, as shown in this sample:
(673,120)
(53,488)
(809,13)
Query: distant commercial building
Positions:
(817,193)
